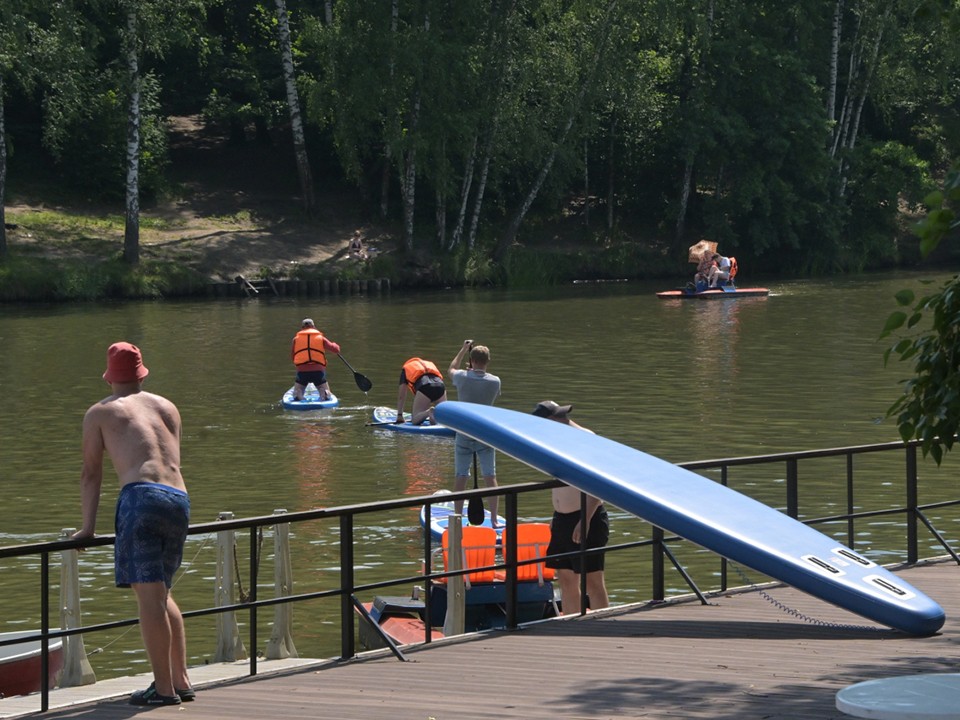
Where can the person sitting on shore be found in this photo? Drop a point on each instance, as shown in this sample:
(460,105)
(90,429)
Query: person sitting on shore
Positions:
(356,246)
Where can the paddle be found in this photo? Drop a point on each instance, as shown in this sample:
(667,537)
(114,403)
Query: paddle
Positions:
(363,382)
(475,506)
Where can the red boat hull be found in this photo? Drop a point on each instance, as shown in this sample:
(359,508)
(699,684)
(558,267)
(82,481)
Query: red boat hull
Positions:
(20,665)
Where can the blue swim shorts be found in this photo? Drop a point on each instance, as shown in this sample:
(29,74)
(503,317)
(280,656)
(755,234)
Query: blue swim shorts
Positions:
(151,525)
(463,450)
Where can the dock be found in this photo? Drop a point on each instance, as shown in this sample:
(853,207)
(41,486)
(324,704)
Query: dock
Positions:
(770,653)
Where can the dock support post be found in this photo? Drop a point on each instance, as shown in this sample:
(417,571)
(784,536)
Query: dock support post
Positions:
(76,667)
(280,645)
(229,645)
(453,622)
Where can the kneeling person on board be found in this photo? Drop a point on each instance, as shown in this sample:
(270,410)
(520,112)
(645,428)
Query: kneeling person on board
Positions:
(424,380)
(566,532)
(309,353)
(140,432)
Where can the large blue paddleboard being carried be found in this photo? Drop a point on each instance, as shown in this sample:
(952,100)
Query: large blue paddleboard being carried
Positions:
(702,511)
(311,400)
(384,418)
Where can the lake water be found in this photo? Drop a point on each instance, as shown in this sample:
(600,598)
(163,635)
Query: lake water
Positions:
(684,380)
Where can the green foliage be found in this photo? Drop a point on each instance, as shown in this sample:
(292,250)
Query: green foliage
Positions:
(942,213)
(30,278)
(473,90)
(882,176)
(929,408)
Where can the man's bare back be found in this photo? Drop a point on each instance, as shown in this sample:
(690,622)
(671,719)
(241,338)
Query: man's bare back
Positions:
(141,433)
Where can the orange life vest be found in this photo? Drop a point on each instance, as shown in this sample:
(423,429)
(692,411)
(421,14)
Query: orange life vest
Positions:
(733,267)
(308,348)
(415,368)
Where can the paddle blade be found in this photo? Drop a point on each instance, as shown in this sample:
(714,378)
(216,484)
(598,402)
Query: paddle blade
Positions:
(475,511)
(363,382)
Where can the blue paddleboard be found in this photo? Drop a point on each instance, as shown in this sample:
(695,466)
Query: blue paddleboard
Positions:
(441,511)
(720,519)
(311,400)
(384,417)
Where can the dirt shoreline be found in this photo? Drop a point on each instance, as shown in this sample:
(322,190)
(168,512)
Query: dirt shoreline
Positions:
(233,210)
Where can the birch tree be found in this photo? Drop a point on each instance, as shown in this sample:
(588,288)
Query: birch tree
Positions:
(293,104)
(131,228)
(149,27)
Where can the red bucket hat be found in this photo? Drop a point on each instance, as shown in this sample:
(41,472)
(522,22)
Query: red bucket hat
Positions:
(124,364)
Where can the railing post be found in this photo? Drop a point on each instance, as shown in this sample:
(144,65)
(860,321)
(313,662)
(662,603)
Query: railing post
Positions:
(793,493)
(724,568)
(44,631)
(347,642)
(851,526)
(455,619)
(510,558)
(229,645)
(428,589)
(658,591)
(252,596)
(912,503)
(281,645)
(76,667)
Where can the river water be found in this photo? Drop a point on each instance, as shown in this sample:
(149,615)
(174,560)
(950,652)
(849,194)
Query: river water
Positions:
(684,380)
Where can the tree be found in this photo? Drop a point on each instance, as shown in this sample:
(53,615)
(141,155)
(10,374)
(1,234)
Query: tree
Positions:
(929,407)
(570,114)
(13,32)
(293,102)
(149,27)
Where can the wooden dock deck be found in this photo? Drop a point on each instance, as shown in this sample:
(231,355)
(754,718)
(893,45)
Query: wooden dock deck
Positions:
(741,656)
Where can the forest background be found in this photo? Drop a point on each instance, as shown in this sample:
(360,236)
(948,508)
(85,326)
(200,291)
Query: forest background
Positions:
(148,146)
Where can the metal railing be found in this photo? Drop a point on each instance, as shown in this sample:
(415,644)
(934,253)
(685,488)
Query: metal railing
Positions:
(913,512)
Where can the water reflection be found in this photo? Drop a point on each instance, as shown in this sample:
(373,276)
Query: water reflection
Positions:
(312,445)
(681,380)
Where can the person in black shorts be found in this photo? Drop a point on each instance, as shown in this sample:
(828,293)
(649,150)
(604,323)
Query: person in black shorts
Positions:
(566,532)
(423,379)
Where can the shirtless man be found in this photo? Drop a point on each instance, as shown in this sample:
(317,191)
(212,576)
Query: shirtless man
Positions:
(140,432)
(566,531)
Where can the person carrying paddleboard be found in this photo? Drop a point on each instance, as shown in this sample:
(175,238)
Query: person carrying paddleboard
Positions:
(568,528)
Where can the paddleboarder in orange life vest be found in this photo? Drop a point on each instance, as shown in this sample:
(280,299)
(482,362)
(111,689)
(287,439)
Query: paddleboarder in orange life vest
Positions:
(309,353)
(425,381)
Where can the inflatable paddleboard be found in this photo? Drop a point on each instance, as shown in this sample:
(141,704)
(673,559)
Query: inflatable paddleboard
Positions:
(311,400)
(384,418)
(720,519)
(441,511)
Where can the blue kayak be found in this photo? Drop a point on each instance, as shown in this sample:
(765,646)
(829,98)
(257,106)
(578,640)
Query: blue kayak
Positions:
(311,400)
(385,418)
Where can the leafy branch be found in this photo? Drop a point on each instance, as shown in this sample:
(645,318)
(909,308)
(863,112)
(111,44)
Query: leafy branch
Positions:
(929,408)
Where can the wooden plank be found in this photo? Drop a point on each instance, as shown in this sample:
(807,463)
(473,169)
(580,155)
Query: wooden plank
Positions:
(741,656)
